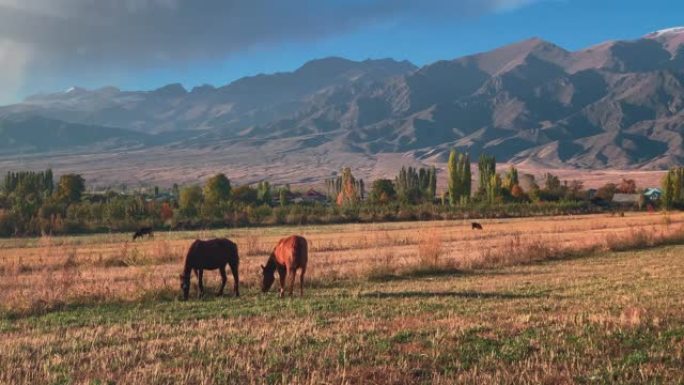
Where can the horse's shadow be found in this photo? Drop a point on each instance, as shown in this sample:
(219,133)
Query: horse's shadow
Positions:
(453,294)
(423,273)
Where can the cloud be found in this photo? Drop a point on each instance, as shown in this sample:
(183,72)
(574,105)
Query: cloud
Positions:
(14,59)
(73,34)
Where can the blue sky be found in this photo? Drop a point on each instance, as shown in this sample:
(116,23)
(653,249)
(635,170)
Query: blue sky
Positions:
(216,44)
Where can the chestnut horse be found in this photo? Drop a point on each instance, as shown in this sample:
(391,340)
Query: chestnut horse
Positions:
(290,254)
(211,255)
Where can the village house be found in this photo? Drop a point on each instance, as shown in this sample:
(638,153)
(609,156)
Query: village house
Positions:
(653,194)
(626,200)
(311,196)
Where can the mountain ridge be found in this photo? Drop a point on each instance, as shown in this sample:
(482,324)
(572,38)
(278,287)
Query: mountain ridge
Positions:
(618,104)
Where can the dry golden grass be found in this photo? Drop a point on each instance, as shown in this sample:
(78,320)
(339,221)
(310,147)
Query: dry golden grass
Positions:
(398,303)
(42,274)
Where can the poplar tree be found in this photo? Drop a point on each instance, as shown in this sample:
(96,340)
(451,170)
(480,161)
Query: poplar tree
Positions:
(673,188)
(494,188)
(487,167)
(460,182)
(511,179)
(283,197)
(345,188)
(349,192)
(432,184)
(466,178)
(454,178)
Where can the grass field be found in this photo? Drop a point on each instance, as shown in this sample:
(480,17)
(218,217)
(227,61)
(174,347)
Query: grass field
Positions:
(526,301)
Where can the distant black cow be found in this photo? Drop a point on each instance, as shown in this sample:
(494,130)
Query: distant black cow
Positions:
(142,232)
(476,226)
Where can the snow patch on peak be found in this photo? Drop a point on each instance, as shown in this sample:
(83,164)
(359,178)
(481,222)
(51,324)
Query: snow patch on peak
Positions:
(667,31)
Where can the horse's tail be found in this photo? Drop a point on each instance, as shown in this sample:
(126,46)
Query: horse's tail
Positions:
(233,247)
(302,250)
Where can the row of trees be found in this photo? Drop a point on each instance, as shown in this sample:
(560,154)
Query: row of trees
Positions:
(217,197)
(492,187)
(26,195)
(411,186)
(507,186)
(345,189)
(414,186)
(31,203)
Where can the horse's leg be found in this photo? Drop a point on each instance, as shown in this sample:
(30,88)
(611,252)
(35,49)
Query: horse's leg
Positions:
(222,271)
(293,273)
(200,283)
(197,275)
(236,279)
(301,281)
(282,274)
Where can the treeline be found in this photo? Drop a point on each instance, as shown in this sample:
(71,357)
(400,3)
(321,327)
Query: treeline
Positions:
(507,187)
(31,204)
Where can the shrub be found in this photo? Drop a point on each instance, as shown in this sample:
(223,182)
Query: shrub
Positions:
(635,239)
(430,248)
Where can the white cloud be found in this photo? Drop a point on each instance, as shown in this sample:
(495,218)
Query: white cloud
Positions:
(14,60)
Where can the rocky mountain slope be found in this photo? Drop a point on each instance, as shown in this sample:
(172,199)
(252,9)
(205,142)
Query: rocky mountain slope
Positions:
(619,104)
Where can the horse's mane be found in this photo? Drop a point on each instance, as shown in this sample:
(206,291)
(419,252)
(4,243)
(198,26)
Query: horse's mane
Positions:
(270,264)
(187,269)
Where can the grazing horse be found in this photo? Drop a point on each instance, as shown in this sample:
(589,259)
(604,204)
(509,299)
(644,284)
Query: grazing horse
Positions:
(211,255)
(142,232)
(290,254)
(476,226)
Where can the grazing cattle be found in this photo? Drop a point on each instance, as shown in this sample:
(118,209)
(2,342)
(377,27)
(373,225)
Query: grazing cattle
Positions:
(142,232)
(211,255)
(291,254)
(476,226)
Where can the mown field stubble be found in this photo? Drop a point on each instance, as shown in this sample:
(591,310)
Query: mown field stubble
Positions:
(540,300)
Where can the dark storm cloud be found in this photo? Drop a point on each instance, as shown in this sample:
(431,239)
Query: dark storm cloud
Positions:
(39,37)
(147,31)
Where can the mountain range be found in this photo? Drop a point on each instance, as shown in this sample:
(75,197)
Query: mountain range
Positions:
(619,104)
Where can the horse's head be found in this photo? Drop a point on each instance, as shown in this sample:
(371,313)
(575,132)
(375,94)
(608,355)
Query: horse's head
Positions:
(185,285)
(268,278)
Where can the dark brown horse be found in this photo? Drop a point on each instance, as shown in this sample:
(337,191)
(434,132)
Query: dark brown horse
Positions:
(211,255)
(142,232)
(290,254)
